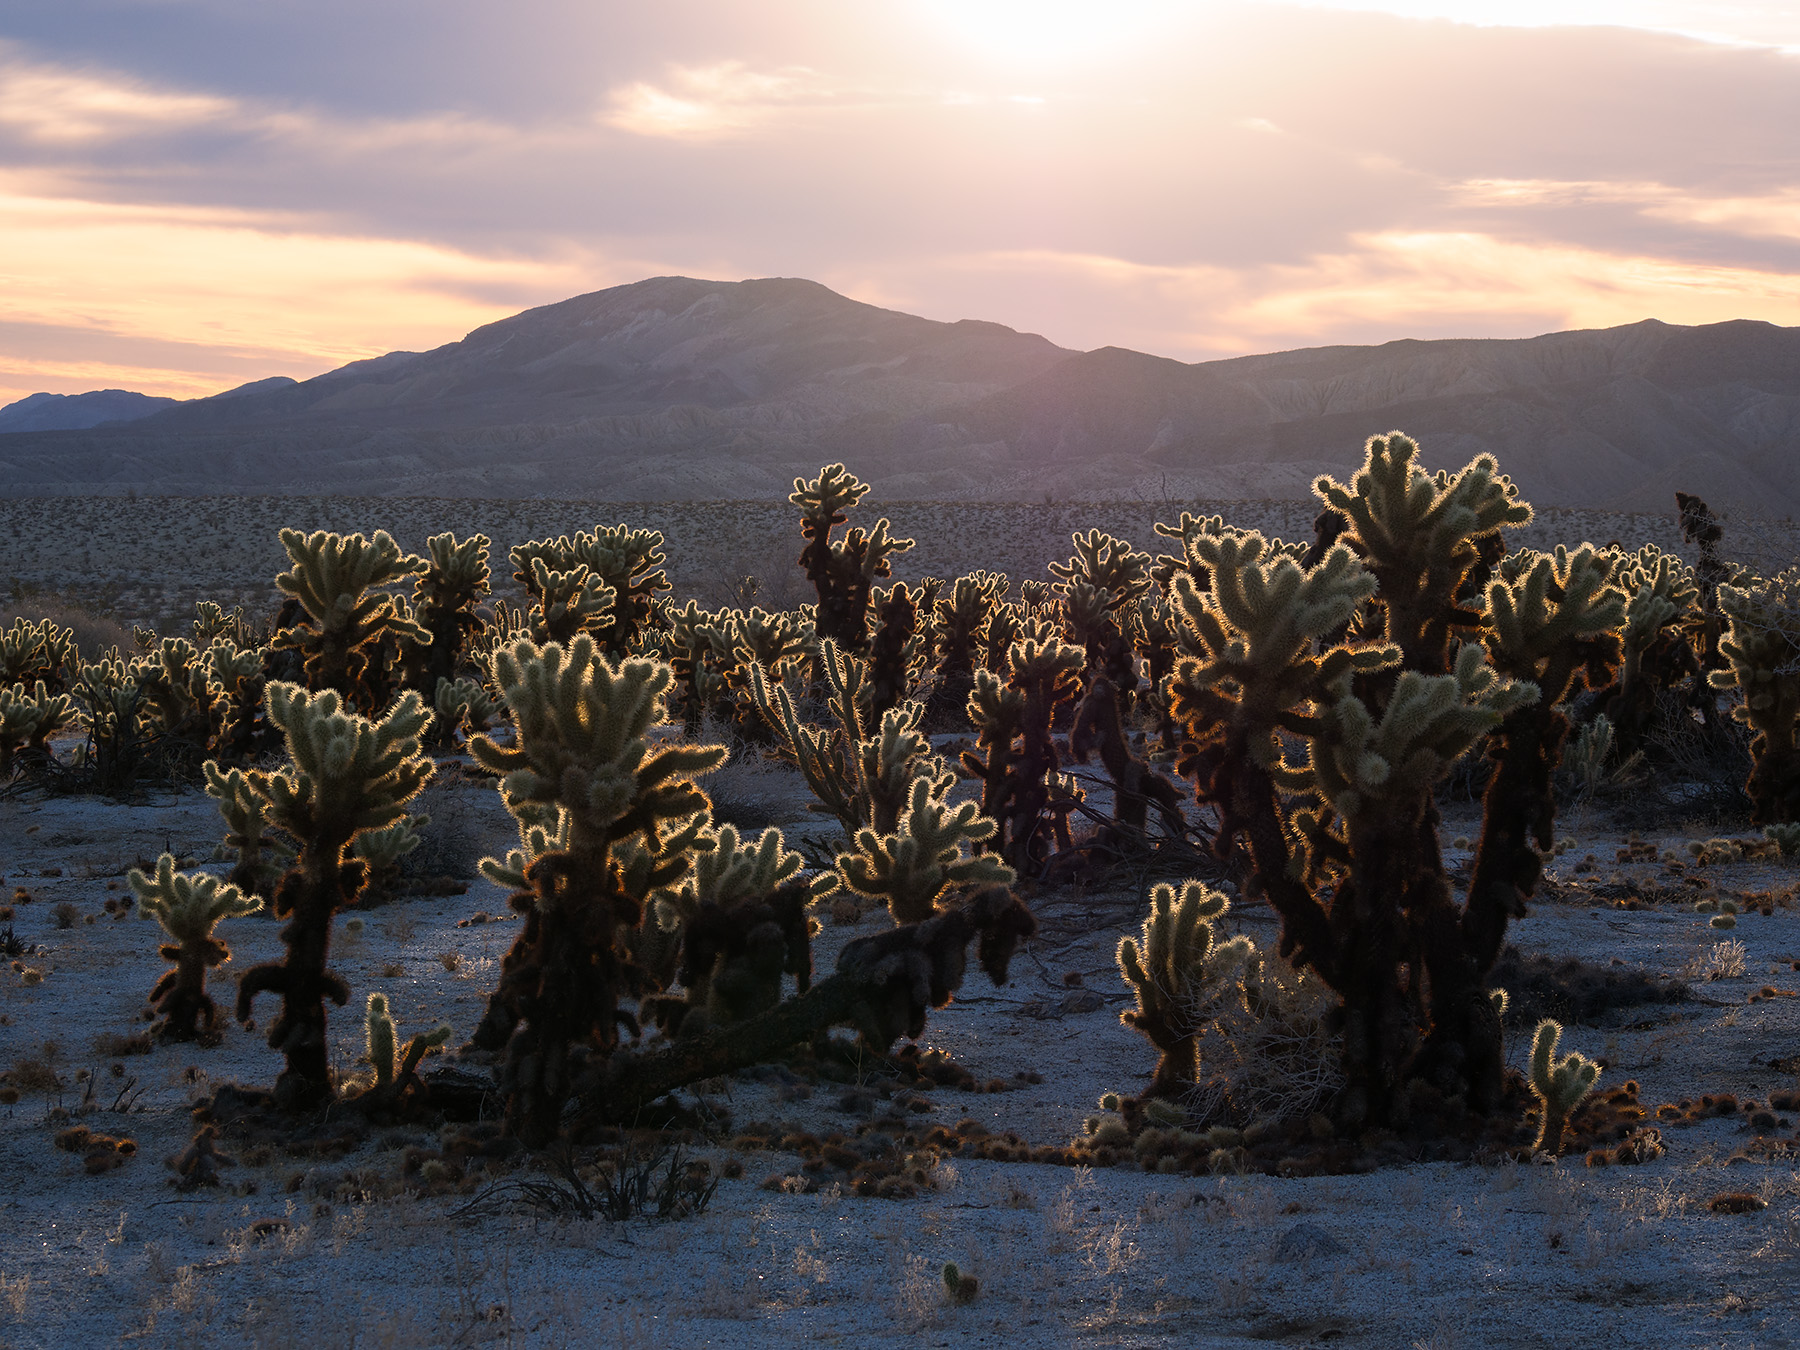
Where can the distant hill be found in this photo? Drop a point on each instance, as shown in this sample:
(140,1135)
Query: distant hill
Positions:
(77,412)
(674,388)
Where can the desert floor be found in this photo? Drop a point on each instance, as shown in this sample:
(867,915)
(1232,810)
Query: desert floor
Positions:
(348,1250)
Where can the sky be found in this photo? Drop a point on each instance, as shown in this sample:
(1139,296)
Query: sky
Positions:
(199,193)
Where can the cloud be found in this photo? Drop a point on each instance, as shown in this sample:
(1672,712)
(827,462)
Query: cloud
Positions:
(1380,286)
(707,102)
(55,106)
(1248,177)
(188,300)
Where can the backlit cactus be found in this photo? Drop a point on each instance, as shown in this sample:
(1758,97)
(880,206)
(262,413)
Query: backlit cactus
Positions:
(189,907)
(1558,1084)
(347,775)
(1182,974)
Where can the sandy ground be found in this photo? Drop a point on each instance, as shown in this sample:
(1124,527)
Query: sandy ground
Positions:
(1436,1255)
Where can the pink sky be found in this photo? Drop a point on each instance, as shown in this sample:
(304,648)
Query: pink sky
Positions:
(197,193)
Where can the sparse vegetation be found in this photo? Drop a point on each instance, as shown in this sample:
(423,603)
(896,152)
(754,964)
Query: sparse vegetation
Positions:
(1276,723)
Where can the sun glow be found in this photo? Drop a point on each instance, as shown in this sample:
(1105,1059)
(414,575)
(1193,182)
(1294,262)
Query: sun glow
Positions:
(1049,31)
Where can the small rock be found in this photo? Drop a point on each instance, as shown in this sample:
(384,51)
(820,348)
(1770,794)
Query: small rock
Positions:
(1304,1241)
(1082,1001)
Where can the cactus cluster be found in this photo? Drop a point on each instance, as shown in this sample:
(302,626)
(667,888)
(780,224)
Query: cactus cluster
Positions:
(1314,696)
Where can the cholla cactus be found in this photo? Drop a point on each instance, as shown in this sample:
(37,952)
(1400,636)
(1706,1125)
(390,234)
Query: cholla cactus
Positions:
(741,914)
(113,705)
(213,623)
(1761,646)
(237,679)
(625,820)
(188,906)
(395,1069)
(1662,621)
(918,867)
(1558,1084)
(1367,766)
(348,775)
(862,779)
(842,572)
(1344,843)
(1785,837)
(958,627)
(247,829)
(1418,534)
(619,559)
(28,720)
(894,650)
(382,850)
(1586,757)
(37,650)
(1183,977)
(1104,578)
(445,595)
(568,602)
(466,705)
(176,689)
(336,580)
(1015,756)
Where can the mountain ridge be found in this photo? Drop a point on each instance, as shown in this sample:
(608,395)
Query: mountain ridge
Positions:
(677,388)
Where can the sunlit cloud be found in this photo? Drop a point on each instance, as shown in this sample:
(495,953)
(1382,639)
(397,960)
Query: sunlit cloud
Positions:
(1774,23)
(53,106)
(707,102)
(1384,285)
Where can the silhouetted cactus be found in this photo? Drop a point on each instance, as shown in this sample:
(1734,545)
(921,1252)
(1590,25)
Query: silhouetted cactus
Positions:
(1182,976)
(959,625)
(618,820)
(466,706)
(843,572)
(742,918)
(445,596)
(1761,648)
(893,649)
(1015,756)
(1103,577)
(381,852)
(395,1069)
(1356,872)
(247,830)
(28,719)
(34,650)
(188,906)
(1785,837)
(1657,645)
(1558,1084)
(922,862)
(860,777)
(336,581)
(347,775)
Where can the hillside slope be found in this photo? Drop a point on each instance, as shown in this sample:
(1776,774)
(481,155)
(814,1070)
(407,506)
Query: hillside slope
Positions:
(675,388)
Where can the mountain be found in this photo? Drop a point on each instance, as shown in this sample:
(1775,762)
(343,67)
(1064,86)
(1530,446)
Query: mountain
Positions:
(680,389)
(76,412)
